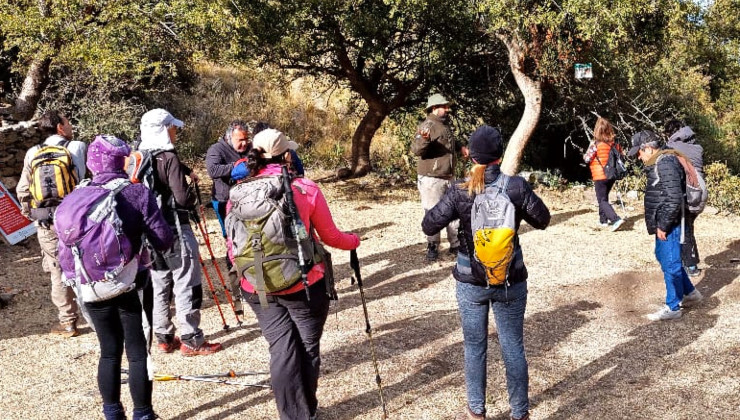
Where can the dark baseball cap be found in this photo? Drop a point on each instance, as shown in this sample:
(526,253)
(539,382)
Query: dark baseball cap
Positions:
(643,138)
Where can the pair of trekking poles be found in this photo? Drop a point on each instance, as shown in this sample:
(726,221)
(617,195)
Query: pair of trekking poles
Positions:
(219,378)
(203,228)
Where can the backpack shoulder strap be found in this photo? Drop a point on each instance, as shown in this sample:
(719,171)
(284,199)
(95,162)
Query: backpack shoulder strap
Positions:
(501,182)
(116,185)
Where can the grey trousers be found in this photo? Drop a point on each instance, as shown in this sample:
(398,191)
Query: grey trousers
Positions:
(62,296)
(431,190)
(184,283)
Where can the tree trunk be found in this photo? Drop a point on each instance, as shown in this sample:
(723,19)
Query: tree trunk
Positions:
(362,138)
(37,78)
(531,88)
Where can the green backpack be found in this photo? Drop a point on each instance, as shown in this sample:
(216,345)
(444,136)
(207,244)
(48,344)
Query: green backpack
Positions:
(265,251)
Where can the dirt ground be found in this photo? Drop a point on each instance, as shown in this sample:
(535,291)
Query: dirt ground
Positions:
(592,353)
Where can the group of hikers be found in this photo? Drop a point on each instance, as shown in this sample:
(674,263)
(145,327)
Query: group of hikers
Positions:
(120,249)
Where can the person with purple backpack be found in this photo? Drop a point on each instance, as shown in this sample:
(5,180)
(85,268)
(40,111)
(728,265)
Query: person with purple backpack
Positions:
(101,227)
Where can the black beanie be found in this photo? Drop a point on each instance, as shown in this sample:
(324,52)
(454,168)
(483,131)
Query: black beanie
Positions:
(485,145)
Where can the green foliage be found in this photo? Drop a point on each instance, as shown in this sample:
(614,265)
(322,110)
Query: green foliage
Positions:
(110,42)
(222,94)
(724,187)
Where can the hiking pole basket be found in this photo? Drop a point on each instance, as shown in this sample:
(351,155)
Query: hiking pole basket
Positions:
(204,233)
(354,262)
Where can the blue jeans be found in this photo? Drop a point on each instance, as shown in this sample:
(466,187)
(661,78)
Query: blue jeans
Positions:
(508,304)
(219,207)
(677,283)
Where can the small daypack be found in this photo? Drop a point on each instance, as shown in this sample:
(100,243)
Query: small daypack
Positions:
(52,178)
(493,222)
(696,189)
(615,169)
(265,250)
(94,252)
(140,166)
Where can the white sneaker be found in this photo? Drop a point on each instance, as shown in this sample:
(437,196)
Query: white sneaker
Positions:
(617,225)
(692,297)
(664,313)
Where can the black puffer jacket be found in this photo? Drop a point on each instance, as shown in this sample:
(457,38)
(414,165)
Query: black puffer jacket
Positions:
(664,193)
(456,204)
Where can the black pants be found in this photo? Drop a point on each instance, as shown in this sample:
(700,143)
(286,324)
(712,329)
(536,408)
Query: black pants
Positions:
(293,327)
(118,321)
(606,211)
(689,250)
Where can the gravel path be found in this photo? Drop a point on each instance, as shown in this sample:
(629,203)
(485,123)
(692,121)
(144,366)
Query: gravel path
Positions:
(592,352)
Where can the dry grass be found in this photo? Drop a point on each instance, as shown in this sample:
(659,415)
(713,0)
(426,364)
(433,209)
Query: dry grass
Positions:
(592,353)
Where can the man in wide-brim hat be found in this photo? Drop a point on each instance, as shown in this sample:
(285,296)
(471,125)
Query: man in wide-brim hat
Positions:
(437,150)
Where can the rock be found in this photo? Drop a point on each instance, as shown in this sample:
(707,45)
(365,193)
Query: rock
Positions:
(632,195)
(344,173)
(711,210)
(10,182)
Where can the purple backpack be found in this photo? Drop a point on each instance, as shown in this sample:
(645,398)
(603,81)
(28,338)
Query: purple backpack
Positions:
(94,252)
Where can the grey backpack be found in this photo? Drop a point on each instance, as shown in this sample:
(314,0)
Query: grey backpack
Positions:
(265,251)
(493,222)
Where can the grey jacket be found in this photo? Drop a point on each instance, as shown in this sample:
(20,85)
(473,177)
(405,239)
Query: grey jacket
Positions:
(219,162)
(684,140)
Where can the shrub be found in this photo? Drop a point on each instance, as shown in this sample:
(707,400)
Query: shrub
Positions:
(724,187)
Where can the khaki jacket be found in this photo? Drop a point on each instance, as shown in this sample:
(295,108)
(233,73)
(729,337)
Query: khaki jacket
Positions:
(436,148)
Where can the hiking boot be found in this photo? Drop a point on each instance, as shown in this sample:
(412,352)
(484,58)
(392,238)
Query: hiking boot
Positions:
(453,250)
(169,346)
(114,411)
(524,417)
(692,297)
(432,252)
(203,350)
(665,313)
(603,225)
(466,414)
(693,271)
(146,413)
(617,225)
(66,330)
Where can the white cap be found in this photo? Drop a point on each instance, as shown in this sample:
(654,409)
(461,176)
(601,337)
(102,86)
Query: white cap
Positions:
(273,142)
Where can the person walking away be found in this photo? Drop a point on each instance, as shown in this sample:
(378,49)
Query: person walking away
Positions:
(58,131)
(481,288)
(665,205)
(437,150)
(682,138)
(597,157)
(176,272)
(117,315)
(291,322)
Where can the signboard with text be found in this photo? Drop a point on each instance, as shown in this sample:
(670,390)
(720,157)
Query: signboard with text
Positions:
(14,226)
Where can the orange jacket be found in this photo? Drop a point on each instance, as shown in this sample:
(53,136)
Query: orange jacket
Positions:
(597,165)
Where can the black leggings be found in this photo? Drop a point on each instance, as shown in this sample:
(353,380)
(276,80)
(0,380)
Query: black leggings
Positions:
(118,321)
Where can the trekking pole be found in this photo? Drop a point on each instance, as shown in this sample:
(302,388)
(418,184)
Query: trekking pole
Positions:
(355,264)
(296,225)
(159,377)
(210,285)
(204,233)
(213,292)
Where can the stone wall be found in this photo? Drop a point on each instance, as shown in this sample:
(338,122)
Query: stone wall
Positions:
(15,140)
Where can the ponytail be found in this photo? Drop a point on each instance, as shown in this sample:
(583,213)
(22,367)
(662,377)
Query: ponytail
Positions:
(256,160)
(476,182)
